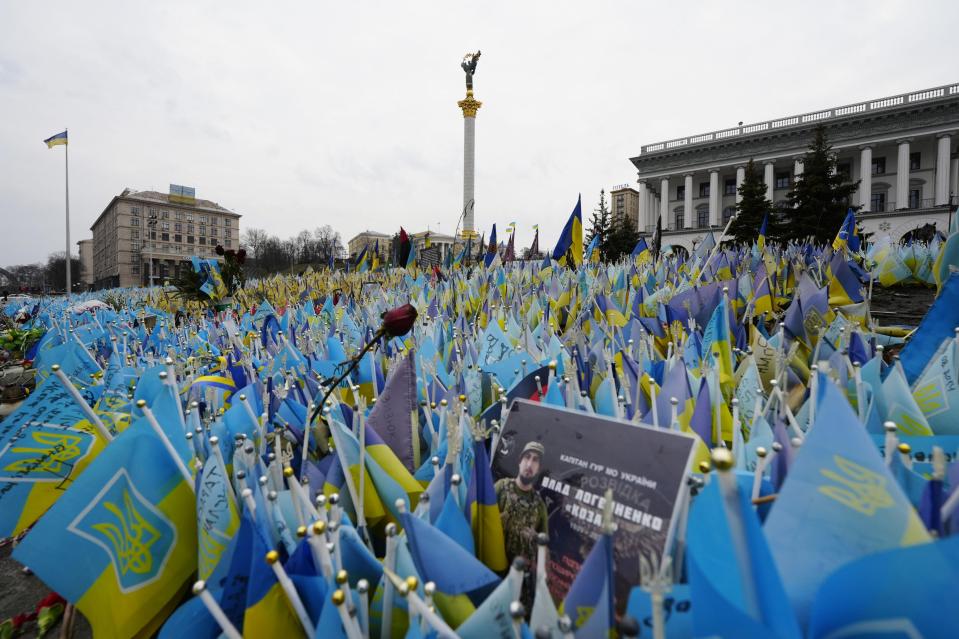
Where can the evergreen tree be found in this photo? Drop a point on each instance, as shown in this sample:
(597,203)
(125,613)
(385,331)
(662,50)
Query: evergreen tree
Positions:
(752,208)
(819,199)
(622,238)
(599,224)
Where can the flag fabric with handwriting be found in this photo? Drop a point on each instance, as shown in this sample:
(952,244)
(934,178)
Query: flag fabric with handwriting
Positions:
(45,444)
(121,542)
(839,502)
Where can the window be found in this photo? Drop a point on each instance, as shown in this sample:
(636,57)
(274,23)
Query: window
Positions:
(189,228)
(227,222)
(878,202)
(915,198)
(153,235)
(135,234)
(844,169)
(203,219)
(782,180)
(177,238)
(878,166)
(213,220)
(179,215)
(135,247)
(189,239)
(165,215)
(729,187)
(165,237)
(203,229)
(135,210)
(915,161)
(213,232)
(134,221)
(728,212)
(704,189)
(228,243)
(202,241)
(135,268)
(165,226)
(703,215)
(680,192)
(177,227)
(189,217)
(679,220)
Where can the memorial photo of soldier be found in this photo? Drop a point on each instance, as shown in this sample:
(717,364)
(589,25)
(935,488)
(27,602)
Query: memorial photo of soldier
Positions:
(523,513)
(521,508)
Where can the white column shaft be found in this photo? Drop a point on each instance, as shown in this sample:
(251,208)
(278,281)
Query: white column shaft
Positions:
(797,169)
(865,176)
(902,176)
(688,203)
(643,206)
(714,198)
(664,202)
(469,154)
(769,177)
(740,177)
(942,170)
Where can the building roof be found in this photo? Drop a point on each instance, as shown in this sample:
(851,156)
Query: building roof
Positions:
(363,234)
(434,236)
(155,197)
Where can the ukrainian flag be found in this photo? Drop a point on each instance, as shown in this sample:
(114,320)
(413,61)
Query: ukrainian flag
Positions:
(268,610)
(55,140)
(569,248)
(484,512)
(761,240)
(846,233)
(592,251)
(121,542)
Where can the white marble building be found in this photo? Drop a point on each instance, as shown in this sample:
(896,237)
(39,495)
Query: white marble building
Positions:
(902,147)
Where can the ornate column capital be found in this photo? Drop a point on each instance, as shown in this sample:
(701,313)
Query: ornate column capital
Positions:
(470,106)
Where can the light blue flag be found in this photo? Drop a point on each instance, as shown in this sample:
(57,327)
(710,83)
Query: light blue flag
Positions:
(838,503)
(441,560)
(729,602)
(589,602)
(677,611)
(452,521)
(121,542)
(897,594)
(901,406)
(217,517)
(937,391)
(605,400)
(937,325)
(492,619)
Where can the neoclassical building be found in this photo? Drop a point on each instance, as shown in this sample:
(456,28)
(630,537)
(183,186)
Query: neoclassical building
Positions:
(901,147)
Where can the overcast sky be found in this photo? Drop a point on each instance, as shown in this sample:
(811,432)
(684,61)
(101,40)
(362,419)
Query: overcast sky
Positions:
(299,114)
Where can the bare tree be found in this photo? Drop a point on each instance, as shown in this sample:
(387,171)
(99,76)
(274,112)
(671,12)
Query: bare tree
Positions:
(254,240)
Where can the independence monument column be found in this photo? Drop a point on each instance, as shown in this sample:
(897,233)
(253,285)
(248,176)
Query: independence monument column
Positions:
(469,107)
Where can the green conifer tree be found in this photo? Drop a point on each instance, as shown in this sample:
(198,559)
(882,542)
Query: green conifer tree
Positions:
(817,204)
(752,208)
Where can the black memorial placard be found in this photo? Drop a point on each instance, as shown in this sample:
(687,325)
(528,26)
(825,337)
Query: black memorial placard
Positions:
(583,454)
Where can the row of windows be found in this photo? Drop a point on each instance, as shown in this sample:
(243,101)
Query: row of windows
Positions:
(180,216)
(175,248)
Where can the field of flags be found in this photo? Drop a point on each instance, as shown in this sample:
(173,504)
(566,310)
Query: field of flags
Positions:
(314,460)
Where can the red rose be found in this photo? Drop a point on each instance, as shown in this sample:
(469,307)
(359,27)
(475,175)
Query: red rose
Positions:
(219,249)
(398,321)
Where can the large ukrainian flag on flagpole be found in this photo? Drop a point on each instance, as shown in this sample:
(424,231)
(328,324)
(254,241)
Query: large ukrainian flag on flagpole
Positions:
(56,140)
(121,542)
(570,244)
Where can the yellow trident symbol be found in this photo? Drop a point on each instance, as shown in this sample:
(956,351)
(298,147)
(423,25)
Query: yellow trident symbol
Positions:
(56,450)
(860,488)
(132,538)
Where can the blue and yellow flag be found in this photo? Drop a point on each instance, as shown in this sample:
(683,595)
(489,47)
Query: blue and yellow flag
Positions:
(121,542)
(839,502)
(56,140)
(569,248)
(484,512)
(44,446)
(761,240)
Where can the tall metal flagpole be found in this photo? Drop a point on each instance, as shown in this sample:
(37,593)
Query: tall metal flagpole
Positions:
(66,156)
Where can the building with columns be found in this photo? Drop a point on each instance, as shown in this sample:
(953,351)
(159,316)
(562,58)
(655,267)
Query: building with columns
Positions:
(901,147)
